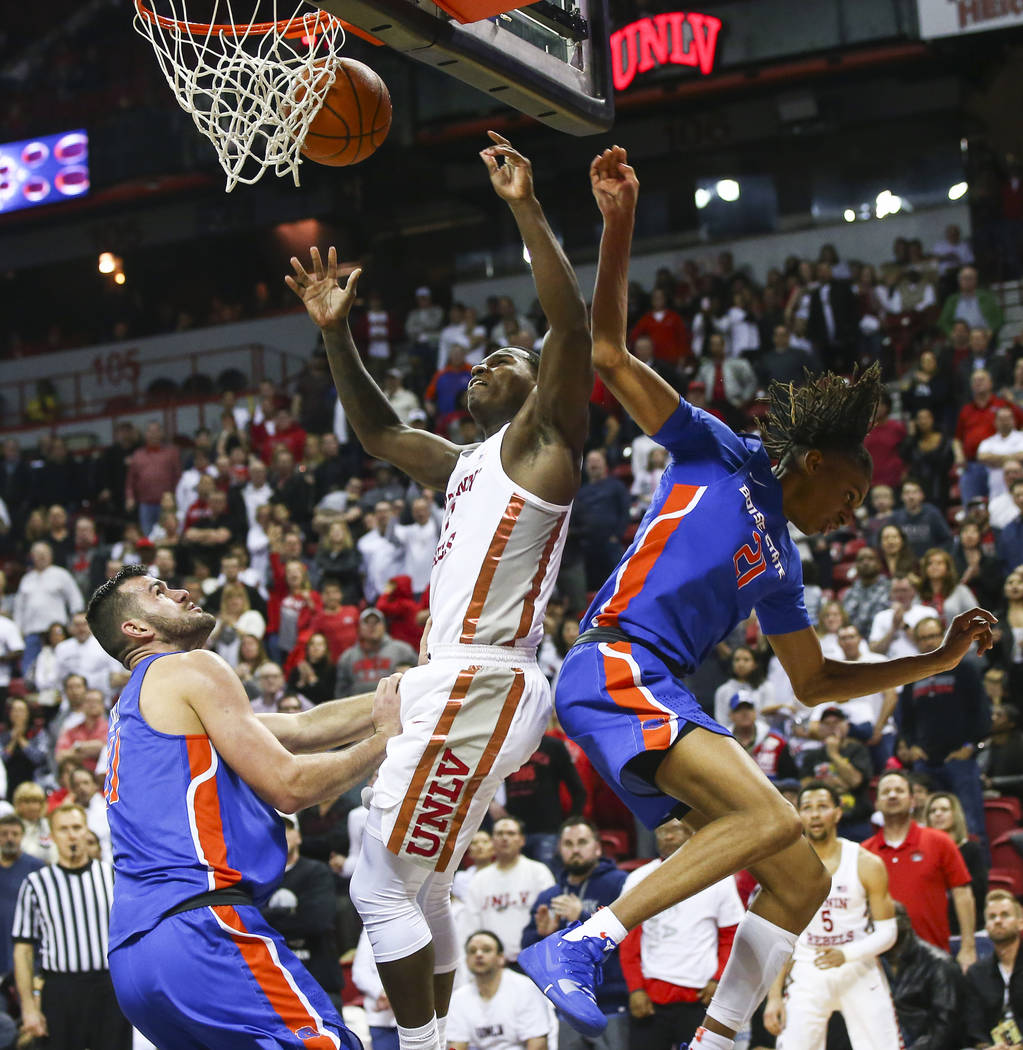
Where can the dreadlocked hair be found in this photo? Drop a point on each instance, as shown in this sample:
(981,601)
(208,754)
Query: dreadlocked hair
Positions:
(828,412)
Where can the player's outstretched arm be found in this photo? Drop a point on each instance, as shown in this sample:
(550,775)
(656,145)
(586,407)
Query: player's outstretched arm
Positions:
(817,680)
(326,726)
(208,685)
(638,388)
(566,378)
(423,456)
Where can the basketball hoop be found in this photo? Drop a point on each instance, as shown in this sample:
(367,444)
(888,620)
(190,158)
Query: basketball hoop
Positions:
(252,88)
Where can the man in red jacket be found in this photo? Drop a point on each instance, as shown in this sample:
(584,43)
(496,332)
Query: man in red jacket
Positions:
(666,328)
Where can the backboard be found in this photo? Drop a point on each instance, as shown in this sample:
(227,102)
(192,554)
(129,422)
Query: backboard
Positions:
(550,59)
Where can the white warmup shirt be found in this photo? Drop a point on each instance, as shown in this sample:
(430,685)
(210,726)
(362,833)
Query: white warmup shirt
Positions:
(680,945)
(517,1012)
(500,900)
(46,597)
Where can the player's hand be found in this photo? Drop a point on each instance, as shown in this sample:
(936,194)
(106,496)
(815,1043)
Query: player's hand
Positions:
(546,923)
(327,302)
(829,959)
(614,183)
(966,957)
(383,1003)
(387,706)
(707,992)
(33,1022)
(513,179)
(640,1004)
(337,862)
(774,1016)
(424,642)
(965,629)
(567,906)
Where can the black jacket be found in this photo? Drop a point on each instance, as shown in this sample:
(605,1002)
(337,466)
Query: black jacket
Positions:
(308,929)
(927,990)
(985,992)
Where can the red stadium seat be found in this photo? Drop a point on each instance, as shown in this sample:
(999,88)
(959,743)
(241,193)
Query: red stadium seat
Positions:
(1006,858)
(632,865)
(615,843)
(852,548)
(350,995)
(840,574)
(1001,815)
(1001,880)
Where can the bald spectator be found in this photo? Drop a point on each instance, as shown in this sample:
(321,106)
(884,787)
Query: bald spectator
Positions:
(1010,539)
(977,306)
(976,422)
(153,470)
(46,594)
(1005,444)
(890,633)
(81,654)
(943,718)
(1002,509)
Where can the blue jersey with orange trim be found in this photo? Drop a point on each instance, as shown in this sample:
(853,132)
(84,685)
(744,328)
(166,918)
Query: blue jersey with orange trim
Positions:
(182,822)
(713,546)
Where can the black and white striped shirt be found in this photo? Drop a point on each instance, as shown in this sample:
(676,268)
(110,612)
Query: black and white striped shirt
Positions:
(65,912)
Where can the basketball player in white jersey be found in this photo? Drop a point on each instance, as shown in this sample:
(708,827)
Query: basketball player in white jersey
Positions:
(478,709)
(835,963)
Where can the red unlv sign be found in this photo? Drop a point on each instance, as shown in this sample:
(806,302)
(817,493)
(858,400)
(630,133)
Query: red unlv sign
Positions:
(678,38)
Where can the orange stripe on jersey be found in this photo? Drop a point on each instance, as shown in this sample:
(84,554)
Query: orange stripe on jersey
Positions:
(621,686)
(632,575)
(291,1005)
(440,731)
(486,764)
(526,620)
(205,811)
(486,576)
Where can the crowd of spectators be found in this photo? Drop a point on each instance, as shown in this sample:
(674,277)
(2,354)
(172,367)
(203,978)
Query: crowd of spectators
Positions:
(316,563)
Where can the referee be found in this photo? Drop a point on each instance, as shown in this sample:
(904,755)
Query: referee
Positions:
(64,910)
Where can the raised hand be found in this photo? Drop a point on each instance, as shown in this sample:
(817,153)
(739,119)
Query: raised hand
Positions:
(513,179)
(614,183)
(327,302)
(965,629)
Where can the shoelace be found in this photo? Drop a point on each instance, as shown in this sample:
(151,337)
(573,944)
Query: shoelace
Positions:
(585,970)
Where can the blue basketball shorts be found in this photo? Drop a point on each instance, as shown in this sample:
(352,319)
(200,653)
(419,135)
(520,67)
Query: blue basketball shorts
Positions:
(220,977)
(617,701)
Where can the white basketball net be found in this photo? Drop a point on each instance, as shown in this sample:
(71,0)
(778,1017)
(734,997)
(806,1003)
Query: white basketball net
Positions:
(237,79)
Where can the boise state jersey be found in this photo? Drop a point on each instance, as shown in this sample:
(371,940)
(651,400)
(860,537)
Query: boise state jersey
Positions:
(182,822)
(713,546)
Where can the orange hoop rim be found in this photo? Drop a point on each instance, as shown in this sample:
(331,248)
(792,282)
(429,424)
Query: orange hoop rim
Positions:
(288,28)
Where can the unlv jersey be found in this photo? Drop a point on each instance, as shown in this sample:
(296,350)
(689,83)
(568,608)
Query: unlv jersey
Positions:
(844,916)
(497,558)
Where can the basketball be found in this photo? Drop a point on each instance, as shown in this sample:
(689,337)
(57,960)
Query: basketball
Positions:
(354,118)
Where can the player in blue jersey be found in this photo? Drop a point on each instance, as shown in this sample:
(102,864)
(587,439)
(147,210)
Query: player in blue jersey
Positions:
(713,546)
(193,783)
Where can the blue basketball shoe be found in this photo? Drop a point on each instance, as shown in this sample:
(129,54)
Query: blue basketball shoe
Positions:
(568,973)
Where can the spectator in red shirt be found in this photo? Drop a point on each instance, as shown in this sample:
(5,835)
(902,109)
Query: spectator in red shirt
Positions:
(883,443)
(666,328)
(153,470)
(924,866)
(977,422)
(85,741)
(266,436)
(338,623)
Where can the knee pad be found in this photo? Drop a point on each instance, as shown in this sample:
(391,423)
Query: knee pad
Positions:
(435,903)
(384,891)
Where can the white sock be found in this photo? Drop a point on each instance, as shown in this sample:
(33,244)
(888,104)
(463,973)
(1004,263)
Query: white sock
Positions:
(442,1029)
(424,1038)
(708,1040)
(759,951)
(602,923)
